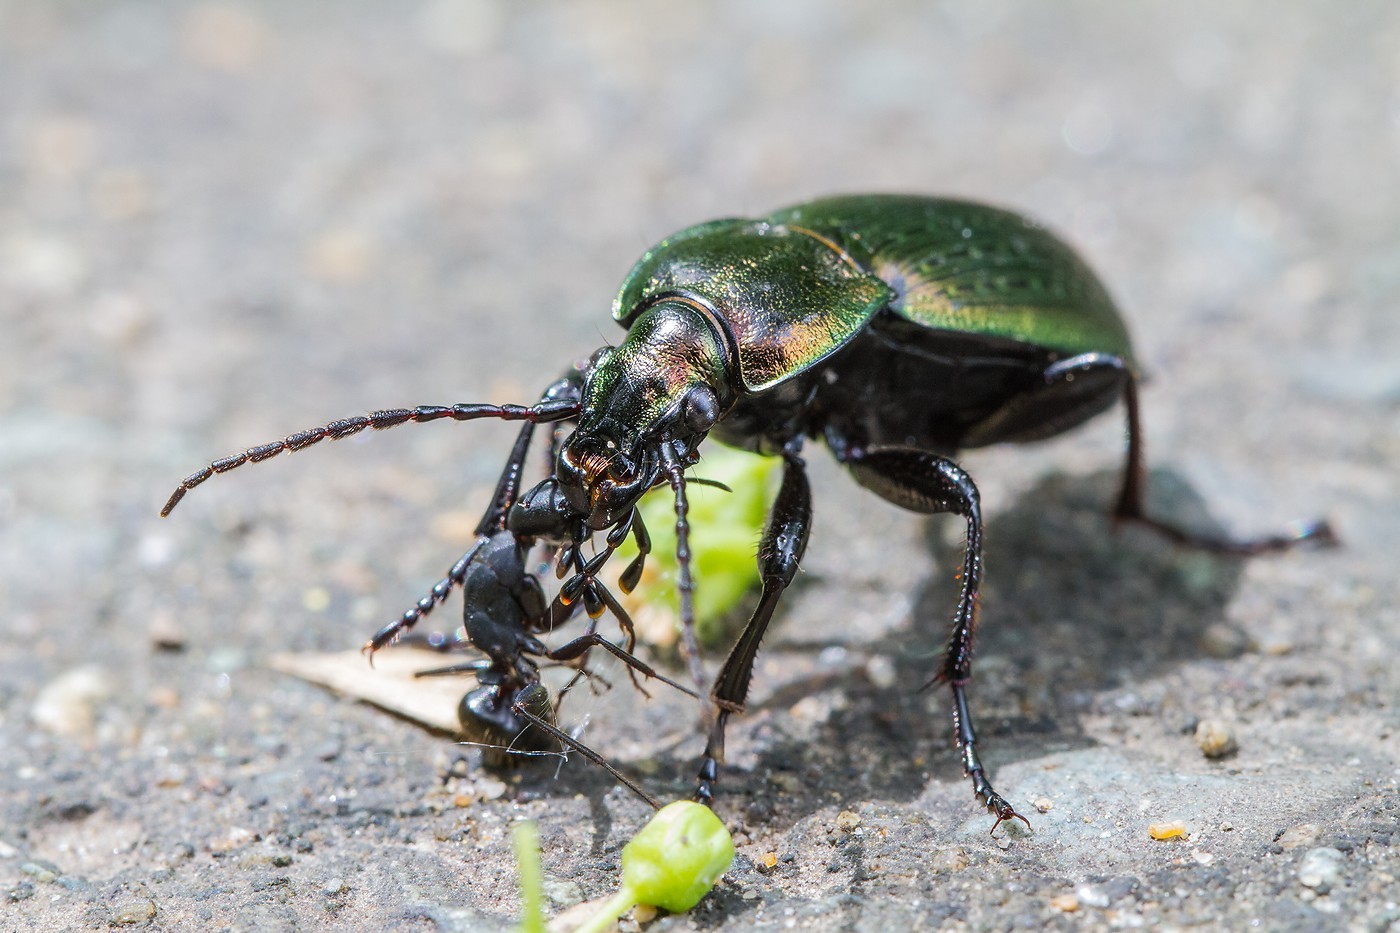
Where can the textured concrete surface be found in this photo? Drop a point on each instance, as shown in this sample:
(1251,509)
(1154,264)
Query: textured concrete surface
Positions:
(222,222)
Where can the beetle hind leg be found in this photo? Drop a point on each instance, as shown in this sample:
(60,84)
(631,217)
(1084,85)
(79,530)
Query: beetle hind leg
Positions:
(1131,506)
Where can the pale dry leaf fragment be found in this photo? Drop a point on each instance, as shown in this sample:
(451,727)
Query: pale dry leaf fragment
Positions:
(390,683)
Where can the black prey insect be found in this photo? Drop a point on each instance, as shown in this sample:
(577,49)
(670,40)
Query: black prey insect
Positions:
(898,330)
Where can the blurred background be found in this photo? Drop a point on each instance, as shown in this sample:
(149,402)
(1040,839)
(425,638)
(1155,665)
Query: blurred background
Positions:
(224,221)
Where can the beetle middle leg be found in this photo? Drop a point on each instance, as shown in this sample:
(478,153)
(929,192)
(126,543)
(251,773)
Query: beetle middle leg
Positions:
(925,482)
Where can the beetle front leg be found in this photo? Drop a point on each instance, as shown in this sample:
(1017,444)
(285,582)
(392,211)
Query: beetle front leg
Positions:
(925,482)
(784,541)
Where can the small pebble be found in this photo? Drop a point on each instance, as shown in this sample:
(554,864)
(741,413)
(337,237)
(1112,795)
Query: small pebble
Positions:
(848,821)
(562,894)
(881,672)
(42,872)
(1224,641)
(949,860)
(74,884)
(66,705)
(1092,895)
(1044,804)
(1215,739)
(235,838)
(315,599)
(164,697)
(164,631)
(137,910)
(1066,903)
(333,887)
(1172,830)
(1295,837)
(226,660)
(1321,869)
(489,788)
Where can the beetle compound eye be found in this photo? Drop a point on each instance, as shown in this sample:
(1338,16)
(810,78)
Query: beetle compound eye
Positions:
(701,409)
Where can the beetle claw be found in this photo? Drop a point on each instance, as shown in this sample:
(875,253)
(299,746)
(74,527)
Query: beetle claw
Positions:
(1004,811)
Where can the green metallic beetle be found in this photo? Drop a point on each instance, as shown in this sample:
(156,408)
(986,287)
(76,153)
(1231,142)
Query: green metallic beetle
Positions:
(897,329)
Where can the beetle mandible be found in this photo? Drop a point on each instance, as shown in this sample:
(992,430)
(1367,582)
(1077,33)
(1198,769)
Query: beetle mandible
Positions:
(897,329)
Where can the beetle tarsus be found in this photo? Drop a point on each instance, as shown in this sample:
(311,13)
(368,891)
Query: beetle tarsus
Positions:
(1003,811)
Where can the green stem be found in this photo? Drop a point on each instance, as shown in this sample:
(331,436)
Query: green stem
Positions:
(526,842)
(621,902)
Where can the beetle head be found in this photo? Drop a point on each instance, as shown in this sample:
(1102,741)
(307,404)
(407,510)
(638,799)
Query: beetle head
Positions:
(665,385)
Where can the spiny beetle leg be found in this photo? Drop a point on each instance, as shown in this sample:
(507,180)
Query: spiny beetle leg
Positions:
(779,553)
(1131,506)
(995,803)
(624,619)
(925,482)
(597,598)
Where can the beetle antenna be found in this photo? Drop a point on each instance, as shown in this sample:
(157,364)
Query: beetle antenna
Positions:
(544,412)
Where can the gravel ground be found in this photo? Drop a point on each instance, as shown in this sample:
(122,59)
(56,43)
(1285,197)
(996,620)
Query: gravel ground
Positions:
(221,222)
